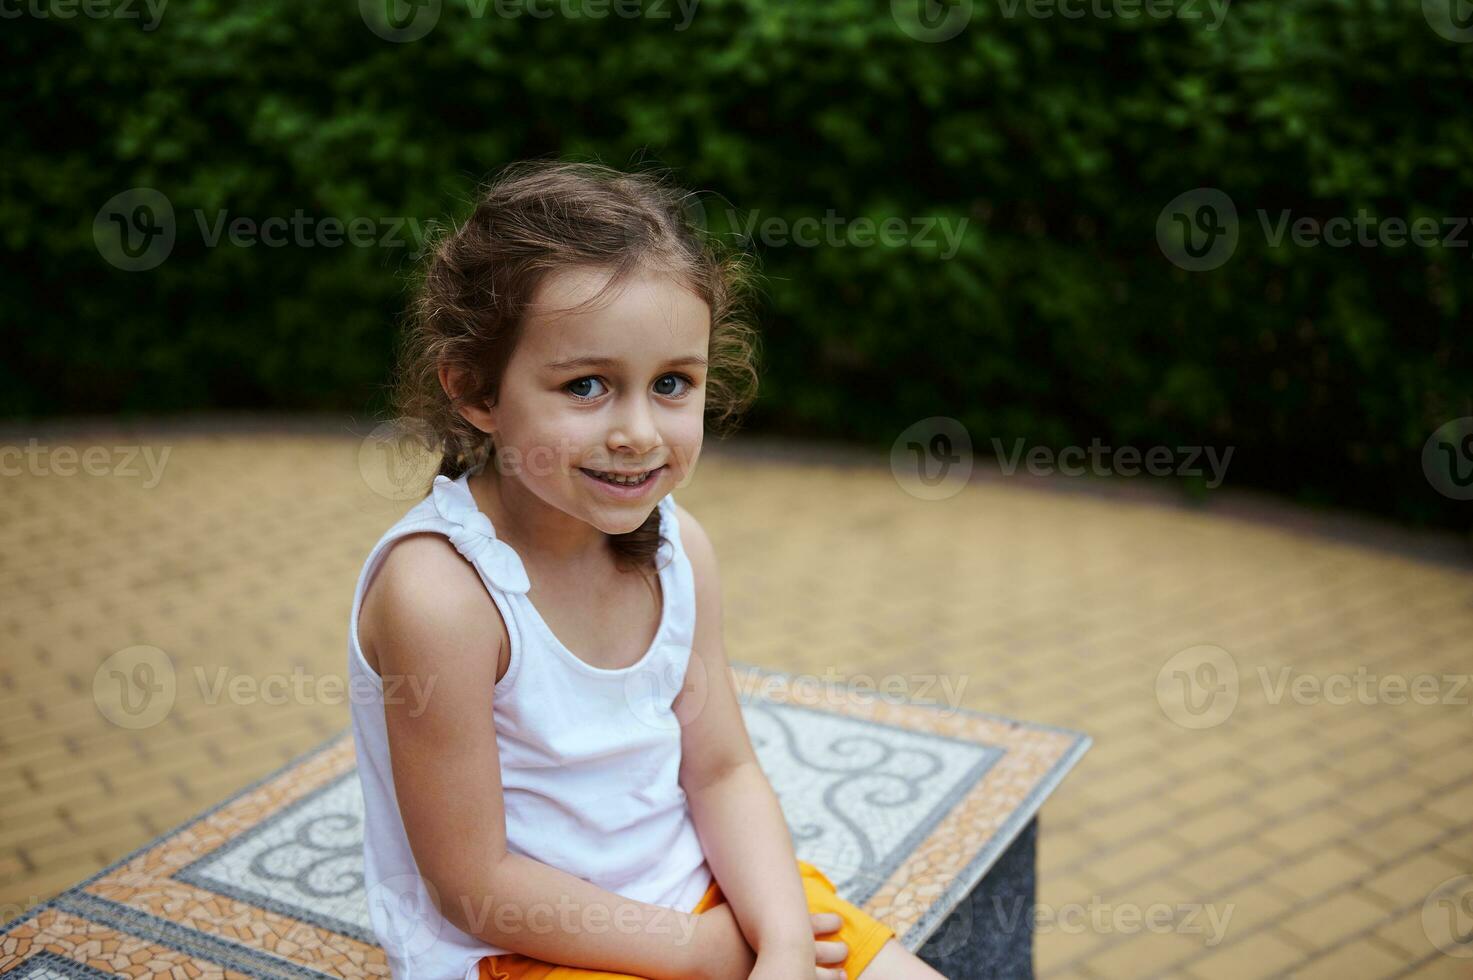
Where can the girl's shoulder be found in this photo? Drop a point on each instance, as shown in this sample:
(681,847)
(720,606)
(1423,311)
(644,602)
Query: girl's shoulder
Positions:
(423,592)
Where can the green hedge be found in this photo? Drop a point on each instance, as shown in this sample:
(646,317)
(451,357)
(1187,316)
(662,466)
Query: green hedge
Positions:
(1059,139)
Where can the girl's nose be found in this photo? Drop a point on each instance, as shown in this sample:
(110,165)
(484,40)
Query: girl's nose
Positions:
(634,429)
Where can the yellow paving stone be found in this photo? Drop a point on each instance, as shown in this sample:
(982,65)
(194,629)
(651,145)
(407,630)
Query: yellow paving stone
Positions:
(1320,871)
(1259,956)
(1296,792)
(1218,824)
(1407,934)
(1454,804)
(1413,879)
(1227,865)
(1324,924)
(1145,954)
(1135,860)
(1402,834)
(1363,958)
(1246,908)
(1441,968)
(1312,828)
(1459,847)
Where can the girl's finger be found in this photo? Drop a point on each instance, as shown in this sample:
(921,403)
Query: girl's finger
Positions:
(831,953)
(825,922)
(826,973)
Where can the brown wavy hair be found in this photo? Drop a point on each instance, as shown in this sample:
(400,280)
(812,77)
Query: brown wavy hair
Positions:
(535,217)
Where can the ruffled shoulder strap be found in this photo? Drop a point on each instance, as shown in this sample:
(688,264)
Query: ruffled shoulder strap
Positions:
(474,537)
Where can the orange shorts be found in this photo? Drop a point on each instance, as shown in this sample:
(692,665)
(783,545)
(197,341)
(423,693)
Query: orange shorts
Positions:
(863,933)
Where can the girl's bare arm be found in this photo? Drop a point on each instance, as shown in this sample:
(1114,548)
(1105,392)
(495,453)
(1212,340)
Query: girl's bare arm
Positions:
(437,632)
(741,827)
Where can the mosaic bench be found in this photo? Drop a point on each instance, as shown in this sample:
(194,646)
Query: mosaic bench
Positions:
(923,816)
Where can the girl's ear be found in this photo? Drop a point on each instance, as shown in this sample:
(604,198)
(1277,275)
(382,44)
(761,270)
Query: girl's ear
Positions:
(480,414)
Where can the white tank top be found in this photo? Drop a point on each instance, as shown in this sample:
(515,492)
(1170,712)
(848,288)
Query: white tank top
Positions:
(590,757)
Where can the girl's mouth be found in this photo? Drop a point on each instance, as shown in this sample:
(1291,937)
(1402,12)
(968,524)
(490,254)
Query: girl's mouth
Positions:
(623,486)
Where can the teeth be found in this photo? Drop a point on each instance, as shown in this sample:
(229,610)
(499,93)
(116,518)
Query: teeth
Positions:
(627,481)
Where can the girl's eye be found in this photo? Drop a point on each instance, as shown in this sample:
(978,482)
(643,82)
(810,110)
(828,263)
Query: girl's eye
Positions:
(581,381)
(579,393)
(678,377)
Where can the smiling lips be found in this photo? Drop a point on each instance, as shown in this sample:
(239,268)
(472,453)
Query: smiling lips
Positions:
(623,479)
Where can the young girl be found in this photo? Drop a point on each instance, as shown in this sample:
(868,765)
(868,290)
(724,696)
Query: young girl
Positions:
(576,796)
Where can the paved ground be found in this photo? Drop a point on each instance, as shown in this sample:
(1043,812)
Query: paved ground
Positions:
(1209,834)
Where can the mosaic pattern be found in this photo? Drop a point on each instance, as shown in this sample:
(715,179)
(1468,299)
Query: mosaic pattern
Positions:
(904,807)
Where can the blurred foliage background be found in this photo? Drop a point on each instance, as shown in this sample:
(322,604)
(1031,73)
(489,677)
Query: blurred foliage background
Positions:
(1059,319)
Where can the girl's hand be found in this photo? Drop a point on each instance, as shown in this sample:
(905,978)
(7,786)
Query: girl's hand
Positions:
(829,954)
(722,952)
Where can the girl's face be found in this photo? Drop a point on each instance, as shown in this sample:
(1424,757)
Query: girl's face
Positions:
(620,387)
